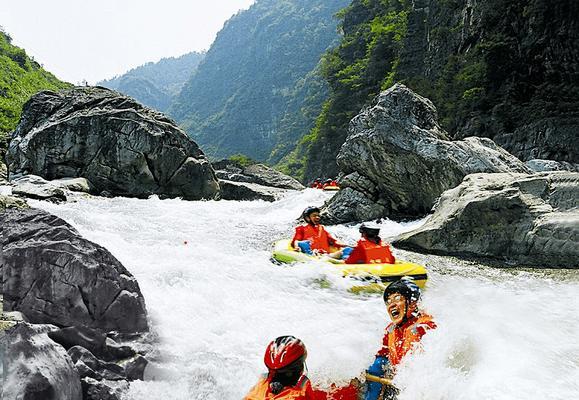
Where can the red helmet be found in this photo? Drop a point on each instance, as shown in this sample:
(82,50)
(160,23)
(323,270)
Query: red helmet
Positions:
(284,351)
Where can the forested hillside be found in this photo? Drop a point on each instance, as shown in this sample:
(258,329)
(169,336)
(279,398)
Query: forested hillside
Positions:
(156,84)
(258,89)
(504,70)
(20,78)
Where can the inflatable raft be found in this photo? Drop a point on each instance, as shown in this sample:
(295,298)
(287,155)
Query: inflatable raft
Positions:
(380,273)
(331,188)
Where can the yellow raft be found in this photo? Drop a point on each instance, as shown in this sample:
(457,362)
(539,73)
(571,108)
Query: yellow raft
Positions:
(331,188)
(373,273)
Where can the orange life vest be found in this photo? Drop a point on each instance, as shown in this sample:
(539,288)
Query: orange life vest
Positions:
(301,391)
(367,252)
(318,236)
(398,340)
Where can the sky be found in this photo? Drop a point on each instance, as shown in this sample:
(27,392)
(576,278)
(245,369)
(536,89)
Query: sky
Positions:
(92,40)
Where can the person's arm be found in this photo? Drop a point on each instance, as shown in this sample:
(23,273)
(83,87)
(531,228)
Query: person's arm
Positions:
(298,235)
(332,241)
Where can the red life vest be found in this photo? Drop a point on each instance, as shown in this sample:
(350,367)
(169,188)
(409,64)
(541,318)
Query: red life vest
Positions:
(398,340)
(318,236)
(301,391)
(367,252)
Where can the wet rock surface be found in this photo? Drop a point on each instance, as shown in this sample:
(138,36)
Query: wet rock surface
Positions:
(255,173)
(120,146)
(245,191)
(517,218)
(400,160)
(35,367)
(53,275)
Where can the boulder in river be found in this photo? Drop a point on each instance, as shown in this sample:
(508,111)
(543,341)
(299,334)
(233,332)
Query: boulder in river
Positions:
(255,173)
(120,146)
(517,218)
(400,160)
(53,275)
(35,367)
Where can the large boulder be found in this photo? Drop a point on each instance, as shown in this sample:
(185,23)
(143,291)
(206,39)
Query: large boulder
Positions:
(539,165)
(520,218)
(255,173)
(120,146)
(35,367)
(400,160)
(245,191)
(53,275)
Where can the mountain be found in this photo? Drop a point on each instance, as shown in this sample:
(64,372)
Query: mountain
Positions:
(504,70)
(155,84)
(20,78)
(259,89)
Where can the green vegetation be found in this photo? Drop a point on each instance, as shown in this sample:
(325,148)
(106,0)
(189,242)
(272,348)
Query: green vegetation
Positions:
(242,160)
(259,88)
(156,84)
(363,64)
(20,78)
(483,65)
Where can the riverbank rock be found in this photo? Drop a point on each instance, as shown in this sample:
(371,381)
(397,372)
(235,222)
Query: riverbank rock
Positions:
(255,173)
(518,218)
(35,187)
(538,165)
(245,191)
(399,160)
(35,367)
(120,146)
(53,275)
(9,202)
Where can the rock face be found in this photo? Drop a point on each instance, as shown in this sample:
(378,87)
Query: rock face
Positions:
(36,367)
(538,165)
(528,219)
(53,275)
(397,160)
(117,144)
(244,191)
(255,173)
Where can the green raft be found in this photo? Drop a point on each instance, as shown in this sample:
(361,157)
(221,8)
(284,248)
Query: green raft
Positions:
(381,274)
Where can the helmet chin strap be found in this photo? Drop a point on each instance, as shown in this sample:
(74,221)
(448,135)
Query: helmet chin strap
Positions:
(405,319)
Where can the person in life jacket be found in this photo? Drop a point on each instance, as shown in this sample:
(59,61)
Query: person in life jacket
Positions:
(285,360)
(317,184)
(327,182)
(409,324)
(313,237)
(370,249)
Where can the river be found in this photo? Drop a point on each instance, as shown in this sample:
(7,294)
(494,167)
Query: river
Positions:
(215,300)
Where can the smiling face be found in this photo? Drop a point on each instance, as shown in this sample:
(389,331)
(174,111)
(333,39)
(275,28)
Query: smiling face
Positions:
(397,308)
(314,218)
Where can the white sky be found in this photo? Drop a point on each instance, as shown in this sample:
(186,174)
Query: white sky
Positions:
(98,39)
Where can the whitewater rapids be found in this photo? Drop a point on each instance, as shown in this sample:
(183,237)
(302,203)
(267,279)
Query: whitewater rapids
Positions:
(215,300)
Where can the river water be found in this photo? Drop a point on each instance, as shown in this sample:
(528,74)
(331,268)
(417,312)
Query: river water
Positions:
(215,300)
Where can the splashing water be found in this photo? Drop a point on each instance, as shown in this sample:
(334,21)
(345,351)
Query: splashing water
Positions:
(215,300)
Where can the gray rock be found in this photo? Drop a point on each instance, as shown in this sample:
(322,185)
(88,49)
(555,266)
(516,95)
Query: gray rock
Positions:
(53,275)
(3,174)
(37,368)
(539,165)
(88,365)
(518,218)
(35,187)
(93,389)
(82,185)
(245,191)
(255,173)
(9,202)
(117,144)
(93,340)
(400,159)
